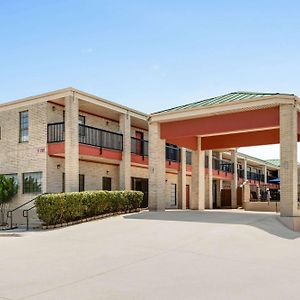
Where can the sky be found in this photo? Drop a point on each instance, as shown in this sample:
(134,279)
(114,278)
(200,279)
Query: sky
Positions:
(150,55)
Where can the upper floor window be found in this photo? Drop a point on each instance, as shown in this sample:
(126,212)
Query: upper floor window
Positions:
(32,182)
(24,127)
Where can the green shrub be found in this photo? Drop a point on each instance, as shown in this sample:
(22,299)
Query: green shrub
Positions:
(66,207)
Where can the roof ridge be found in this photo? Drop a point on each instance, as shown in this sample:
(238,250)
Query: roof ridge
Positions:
(224,98)
(254,157)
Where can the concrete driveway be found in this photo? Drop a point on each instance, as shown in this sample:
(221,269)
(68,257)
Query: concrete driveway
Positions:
(166,255)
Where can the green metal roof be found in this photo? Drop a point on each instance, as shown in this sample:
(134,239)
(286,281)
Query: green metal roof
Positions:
(227,98)
(259,159)
(275,162)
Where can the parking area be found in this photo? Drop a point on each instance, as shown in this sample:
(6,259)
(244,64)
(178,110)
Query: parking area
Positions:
(216,254)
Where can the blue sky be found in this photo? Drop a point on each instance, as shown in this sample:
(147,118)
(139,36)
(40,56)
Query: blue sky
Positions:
(150,55)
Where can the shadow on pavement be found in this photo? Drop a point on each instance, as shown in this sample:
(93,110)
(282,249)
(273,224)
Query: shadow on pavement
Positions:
(265,221)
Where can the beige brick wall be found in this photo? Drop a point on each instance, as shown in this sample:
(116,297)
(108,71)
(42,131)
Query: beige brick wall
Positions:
(18,157)
(139,172)
(93,173)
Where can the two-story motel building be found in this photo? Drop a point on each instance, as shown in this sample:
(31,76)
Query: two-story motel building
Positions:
(68,140)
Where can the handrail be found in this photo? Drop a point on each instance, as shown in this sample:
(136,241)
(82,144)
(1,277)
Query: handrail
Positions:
(26,215)
(9,214)
(172,153)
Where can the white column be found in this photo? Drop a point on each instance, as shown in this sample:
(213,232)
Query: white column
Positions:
(288,161)
(198,178)
(234,181)
(182,180)
(210,180)
(157,168)
(265,175)
(125,164)
(71,144)
(245,166)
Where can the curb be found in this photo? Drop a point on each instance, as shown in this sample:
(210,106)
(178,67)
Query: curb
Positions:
(46,227)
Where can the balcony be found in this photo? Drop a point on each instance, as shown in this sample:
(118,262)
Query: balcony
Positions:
(139,147)
(240,173)
(87,135)
(222,165)
(172,153)
(255,176)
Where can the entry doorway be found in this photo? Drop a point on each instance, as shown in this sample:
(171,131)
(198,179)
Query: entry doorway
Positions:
(187,196)
(239,196)
(226,198)
(141,184)
(215,188)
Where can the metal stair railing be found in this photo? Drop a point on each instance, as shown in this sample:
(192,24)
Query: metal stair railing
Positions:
(26,215)
(9,214)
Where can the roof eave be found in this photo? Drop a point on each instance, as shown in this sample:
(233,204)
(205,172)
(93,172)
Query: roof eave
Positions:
(224,107)
(69,91)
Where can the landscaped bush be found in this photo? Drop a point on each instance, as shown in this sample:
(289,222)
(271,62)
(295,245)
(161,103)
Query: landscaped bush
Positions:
(66,207)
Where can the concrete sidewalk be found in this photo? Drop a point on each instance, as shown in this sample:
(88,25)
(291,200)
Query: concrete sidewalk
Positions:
(228,254)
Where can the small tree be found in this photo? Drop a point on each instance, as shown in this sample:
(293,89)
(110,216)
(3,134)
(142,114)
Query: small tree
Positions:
(8,189)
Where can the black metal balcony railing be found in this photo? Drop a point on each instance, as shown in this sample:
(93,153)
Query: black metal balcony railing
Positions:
(139,146)
(219,164)
(111,140)
(87,135)
(188,157)
(255,176)
(240,173)
(100,138)
(56,132)
(226,166)
(172,153)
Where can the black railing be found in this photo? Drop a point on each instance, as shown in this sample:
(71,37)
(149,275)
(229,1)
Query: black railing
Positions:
(139,146)
(226,166)
(87,135)
(172,153)
(56,132)
(9,214)
(188,157)
(255,176)
(240,173)
(26,215)
(100,138)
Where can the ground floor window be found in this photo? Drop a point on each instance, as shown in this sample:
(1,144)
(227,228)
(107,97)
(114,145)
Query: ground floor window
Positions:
(173,194)
(106,183)
(14,176)
(32,182)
